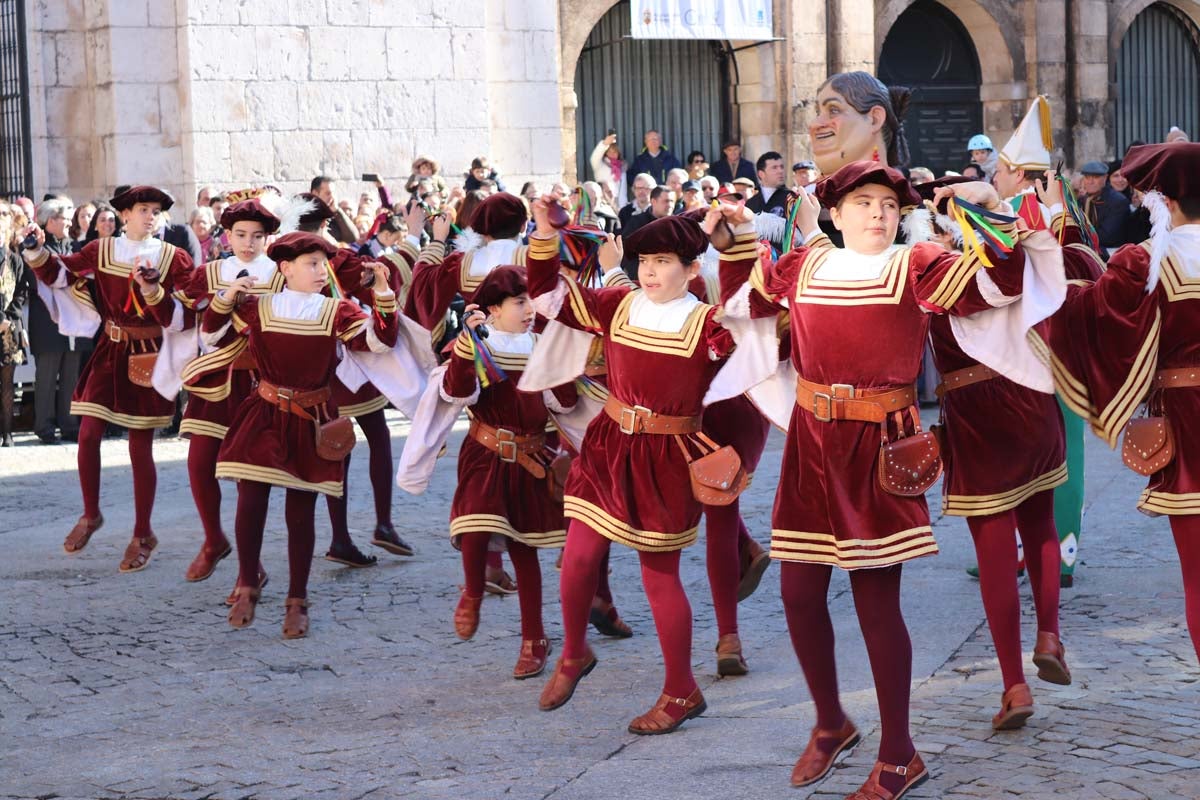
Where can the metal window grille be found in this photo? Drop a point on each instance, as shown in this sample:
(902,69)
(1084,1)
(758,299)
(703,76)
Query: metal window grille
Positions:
(16,157)
(1158,77)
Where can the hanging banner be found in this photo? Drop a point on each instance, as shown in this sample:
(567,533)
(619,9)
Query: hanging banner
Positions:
(740,20)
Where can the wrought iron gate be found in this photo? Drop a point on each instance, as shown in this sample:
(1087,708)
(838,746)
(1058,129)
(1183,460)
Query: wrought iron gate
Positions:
(677,87)
(1158,77)
(16,157)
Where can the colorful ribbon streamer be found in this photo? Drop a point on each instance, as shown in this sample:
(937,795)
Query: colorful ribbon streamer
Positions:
(979,234)
(486,369)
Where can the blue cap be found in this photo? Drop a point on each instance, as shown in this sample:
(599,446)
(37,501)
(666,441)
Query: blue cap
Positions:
(980,142)
(1094,168)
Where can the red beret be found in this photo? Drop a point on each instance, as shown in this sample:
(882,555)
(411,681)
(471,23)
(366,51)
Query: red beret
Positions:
(831,190)
(1166,168)
(501,216)
(676,234)
(926,190)
(249,211)
(141,194)
(499,285)
(291,246)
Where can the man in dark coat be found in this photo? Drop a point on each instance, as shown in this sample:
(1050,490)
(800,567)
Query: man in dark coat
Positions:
(732,165)
(1106,208)
(654,160)
(772,197)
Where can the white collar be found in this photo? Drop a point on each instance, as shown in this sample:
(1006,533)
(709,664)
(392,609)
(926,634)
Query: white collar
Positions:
(297,305)
(1185,249)
(661,317)
(516,344)
(496,253)
(262,269)
(845,264)
(126,250)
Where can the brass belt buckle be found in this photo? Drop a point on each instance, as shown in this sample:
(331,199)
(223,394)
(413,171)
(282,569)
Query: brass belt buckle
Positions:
(829,397)
(283,399)
(114,332)
(632,414)
(506,443)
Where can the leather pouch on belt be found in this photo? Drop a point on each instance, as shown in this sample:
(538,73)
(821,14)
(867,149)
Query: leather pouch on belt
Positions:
(912,463)
(335,439)
(141,369)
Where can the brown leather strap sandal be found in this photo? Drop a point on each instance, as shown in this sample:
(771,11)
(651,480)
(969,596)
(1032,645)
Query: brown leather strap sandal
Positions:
(205,563)
(78,538)
(295,618)
(245,600)
(815,762)
(756,560)
(262,584)
(729,656)
(668,714)
(568,672)
(466,615)
(138,552)
(1051,659)
(1016,706)
(914,774)
(532,661)
(609,623)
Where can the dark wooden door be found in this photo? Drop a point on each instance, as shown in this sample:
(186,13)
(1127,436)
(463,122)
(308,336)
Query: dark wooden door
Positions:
(1158,77)
(930,51)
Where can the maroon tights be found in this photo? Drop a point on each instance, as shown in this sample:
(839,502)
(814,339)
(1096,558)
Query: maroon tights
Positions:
(474,548)
(299,508)
(996,552)
(141,458)
(1187,541)
(582,562)
(877,601)
(206,489)
(379,440)
(723,534)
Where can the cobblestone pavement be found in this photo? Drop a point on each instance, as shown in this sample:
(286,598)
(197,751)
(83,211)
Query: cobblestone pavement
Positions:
(134,686)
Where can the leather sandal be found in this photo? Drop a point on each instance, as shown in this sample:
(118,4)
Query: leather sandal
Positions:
(815,763)
(532,661)
(661,718)
(263,578)
(501,584)
(757,561)
(78,538)
(245,600)
(387,538)
(138,552)
(205,563)
(729,656)
(295,618)
(1016,706)
(561,686)
(351,557)
(1050,657)
(914,774)
(609,623)
(466,615)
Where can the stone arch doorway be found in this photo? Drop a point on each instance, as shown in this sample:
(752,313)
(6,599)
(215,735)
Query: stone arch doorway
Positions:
(680,88)
(1157,76)
(929,50)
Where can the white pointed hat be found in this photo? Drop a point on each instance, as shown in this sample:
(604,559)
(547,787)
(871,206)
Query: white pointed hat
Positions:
(1030,145)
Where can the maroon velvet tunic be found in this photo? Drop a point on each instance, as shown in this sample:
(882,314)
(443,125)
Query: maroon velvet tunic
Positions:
(104,390)
(437,278)
(869,333)
(495,496)
(1108,341)
(217,381)
(272,446)
(636,489)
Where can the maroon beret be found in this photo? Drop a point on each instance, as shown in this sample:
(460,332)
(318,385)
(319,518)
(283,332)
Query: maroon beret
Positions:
(679,235)
(501,215)
(926,190)
(292,245)
(499,285)
(1166,168)
(249,211)
(831,190)
(141,194)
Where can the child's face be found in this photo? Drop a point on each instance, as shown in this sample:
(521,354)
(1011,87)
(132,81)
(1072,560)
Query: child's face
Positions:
(306,273)
(980,156)
(248,239)
(664,277)
(514,315)
(868,218)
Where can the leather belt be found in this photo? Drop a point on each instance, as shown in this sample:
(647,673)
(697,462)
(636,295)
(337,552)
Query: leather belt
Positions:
(841,401)
(130,333)
(965,377)
(595,370)
(1177,378)
(292,401)
(639,419)
(509,446)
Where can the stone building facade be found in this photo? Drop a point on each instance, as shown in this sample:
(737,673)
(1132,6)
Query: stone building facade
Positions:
(232,92)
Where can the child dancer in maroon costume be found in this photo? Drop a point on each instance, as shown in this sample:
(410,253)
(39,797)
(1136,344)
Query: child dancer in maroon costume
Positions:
(504,465)
(630,483)
(1134,336)
(859,317)
(272,441)
(133,276)
(223,376)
